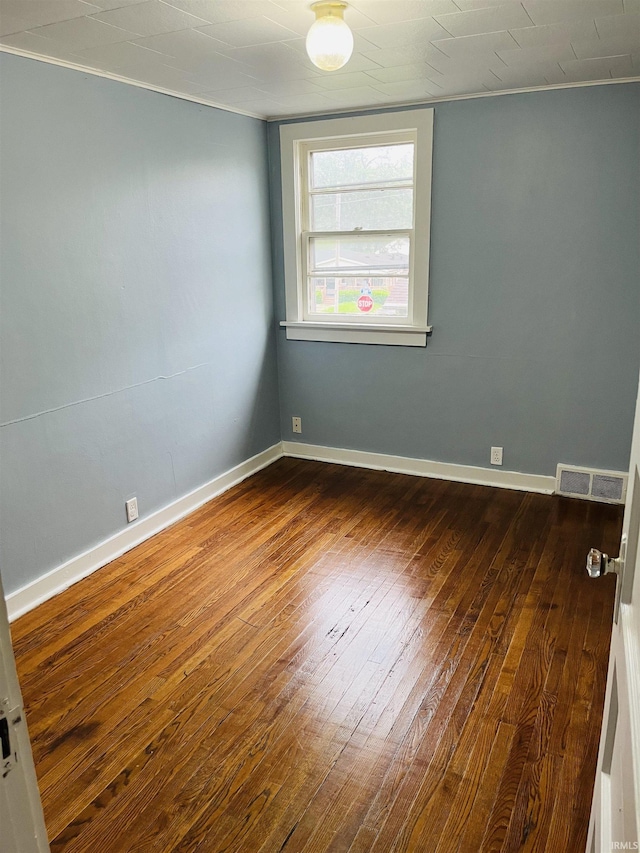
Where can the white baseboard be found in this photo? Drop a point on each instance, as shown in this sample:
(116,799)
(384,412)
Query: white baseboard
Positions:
(79,567)
(423,467)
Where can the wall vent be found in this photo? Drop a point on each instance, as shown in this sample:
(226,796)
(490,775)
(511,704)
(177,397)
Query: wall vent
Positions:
(591,484)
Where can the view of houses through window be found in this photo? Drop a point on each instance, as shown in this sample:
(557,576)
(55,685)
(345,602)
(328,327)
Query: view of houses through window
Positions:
(360,216)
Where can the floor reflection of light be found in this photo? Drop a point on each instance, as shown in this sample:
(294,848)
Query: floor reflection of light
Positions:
(357,622)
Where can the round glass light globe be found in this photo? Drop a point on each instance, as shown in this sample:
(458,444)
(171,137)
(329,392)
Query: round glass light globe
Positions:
(329,43)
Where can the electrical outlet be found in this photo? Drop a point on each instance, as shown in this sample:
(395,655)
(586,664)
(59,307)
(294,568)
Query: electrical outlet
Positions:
(132,509)
(296,424)
(496,456)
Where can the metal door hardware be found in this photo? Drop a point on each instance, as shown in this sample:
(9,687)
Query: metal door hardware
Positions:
(599,564)
(5,741)
(9,718)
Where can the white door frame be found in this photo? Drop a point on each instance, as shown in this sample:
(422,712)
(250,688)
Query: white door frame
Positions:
(615,811)
(22,828)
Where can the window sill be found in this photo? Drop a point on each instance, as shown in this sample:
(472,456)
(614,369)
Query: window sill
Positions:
(357,333)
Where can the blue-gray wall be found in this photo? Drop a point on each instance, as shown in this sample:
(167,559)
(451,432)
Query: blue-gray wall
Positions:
(137,343)
(137,336)
(534,297)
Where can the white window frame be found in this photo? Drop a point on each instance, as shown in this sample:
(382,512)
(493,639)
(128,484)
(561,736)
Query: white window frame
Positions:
(297,141)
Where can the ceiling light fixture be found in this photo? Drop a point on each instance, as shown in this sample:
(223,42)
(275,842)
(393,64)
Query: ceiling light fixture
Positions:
(329,40)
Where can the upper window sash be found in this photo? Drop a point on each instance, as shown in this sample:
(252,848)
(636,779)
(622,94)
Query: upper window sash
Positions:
(304,151)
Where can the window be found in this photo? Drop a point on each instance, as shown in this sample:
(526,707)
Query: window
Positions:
(356,206)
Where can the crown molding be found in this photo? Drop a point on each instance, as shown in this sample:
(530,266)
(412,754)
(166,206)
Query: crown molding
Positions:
(445,99)
(379,108)
(107,75)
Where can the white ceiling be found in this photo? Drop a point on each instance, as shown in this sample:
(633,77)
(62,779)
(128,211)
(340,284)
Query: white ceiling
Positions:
(249,56)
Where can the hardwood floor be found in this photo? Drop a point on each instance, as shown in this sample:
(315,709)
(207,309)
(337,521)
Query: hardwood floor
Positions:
(329,659)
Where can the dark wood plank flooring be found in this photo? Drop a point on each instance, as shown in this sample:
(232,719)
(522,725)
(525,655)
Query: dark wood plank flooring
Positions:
(329,659)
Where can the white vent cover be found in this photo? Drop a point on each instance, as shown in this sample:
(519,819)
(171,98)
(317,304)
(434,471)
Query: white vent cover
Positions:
(591,484)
